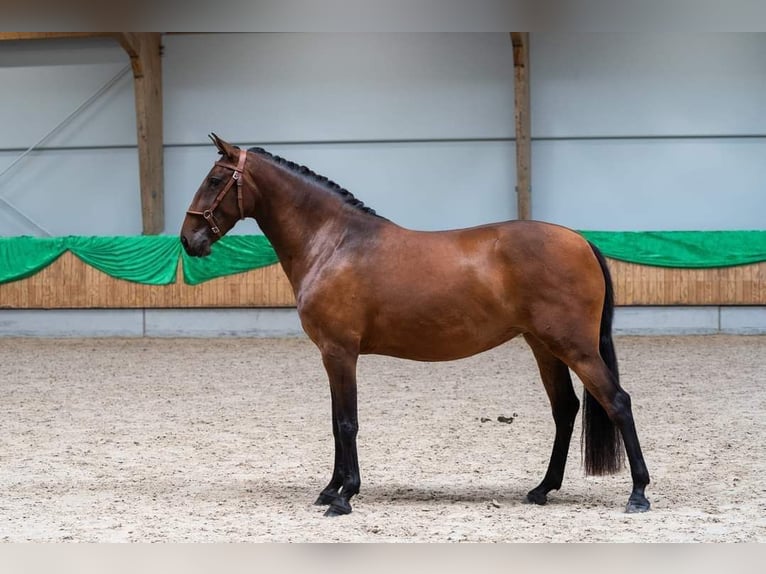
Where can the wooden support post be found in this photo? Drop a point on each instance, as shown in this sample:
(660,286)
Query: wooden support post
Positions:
(520,41)
(144,50)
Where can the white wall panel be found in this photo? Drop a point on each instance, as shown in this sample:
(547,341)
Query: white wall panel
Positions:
(366,90)
(648,84)
(651,184)
(74,192)
(35,99)
(309,87)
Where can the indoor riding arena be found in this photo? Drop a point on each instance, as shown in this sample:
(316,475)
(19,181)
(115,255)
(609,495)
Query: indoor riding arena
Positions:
(153,392)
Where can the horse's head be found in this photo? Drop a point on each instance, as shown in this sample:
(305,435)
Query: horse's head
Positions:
(219,202)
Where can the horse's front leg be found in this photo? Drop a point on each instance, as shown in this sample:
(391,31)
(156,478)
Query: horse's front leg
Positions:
(345,481)
(330,492)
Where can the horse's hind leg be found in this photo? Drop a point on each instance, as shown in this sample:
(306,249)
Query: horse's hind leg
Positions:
(601,384)
(564,404)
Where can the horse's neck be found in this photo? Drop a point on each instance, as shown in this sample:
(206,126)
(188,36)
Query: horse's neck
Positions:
(304,225)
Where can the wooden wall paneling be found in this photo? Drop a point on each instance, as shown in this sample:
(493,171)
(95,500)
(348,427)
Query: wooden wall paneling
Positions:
(69,283)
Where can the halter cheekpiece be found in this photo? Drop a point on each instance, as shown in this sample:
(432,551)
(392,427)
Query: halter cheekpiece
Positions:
(237,170)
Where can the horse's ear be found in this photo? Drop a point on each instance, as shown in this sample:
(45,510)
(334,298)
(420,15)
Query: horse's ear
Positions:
(223,147)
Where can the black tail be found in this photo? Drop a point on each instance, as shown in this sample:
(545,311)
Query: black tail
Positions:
(601,439)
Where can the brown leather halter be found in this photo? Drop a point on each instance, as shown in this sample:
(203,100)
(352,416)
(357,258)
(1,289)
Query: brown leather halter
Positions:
(236,176)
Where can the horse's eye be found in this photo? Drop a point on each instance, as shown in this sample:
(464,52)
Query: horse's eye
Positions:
(213,181)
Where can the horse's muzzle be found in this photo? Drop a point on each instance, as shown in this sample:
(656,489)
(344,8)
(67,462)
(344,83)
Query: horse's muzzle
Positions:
(197,246)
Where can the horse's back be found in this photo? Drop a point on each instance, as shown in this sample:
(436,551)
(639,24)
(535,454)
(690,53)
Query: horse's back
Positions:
(451,294)
(510,254)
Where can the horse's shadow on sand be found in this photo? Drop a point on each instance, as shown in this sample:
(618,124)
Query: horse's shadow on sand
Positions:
(445,495)
(402,494)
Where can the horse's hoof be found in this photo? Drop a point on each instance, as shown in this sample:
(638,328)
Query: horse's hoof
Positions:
(338,507)
(325,498)
(636,505)
(537,497)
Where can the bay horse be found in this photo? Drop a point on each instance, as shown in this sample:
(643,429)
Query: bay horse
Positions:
(364,285)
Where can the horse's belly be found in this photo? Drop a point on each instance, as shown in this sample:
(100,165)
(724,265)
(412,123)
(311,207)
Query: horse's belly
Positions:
(443,336)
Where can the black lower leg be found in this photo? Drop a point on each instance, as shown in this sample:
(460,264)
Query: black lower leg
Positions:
(330,492)
(351,481)
(555,473)
(341,369)
(564,405)
(623,418)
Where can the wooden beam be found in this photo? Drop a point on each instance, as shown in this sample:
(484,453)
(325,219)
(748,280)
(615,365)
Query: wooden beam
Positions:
(16,36)
(131,43)
(147,74)
(520,41)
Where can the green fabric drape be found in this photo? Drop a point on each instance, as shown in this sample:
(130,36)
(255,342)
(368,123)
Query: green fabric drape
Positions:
(140,259)
(153,260)
(21,257)
(682,249)
(232,254)
(150,260)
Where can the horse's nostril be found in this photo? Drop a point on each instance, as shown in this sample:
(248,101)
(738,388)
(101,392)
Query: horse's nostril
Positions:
(184,241)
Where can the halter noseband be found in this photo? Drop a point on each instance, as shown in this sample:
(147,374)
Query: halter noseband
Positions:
(236,176)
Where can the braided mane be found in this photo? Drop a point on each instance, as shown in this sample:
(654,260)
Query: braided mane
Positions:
(326,183)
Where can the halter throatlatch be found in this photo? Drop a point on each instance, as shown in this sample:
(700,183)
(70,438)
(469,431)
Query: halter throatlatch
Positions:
(236,176)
